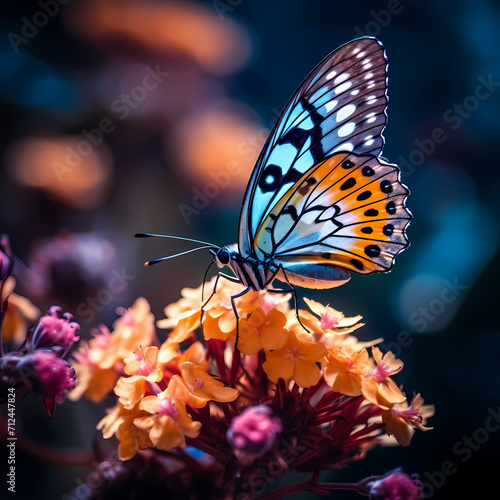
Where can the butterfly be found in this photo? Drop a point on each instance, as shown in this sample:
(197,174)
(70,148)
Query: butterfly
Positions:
(322,201)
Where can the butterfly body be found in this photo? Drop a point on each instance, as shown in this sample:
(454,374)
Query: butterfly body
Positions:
(258,274)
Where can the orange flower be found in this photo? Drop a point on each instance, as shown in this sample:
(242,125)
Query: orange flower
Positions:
(143,373)
(184,315)
(20,313)
(205,387)
(101,361)
(296,361)
(402,419)
(377,386)
(220,320)
(168,422)
(326,323)
(119,422)
(345,369)
(262,331)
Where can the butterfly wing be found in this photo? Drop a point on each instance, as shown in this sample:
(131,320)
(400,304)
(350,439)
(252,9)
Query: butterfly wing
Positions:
(340,106)
(320,194)
(348,211)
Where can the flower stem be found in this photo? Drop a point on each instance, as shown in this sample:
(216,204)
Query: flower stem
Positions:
(318,488)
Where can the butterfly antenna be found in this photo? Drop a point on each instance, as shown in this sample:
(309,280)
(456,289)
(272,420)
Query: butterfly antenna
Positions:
(150,235)
(155,261)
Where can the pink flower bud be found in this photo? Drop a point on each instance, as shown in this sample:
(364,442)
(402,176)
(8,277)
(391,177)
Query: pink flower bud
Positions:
(53,330)
(395,485)
(252,433)
(49,376)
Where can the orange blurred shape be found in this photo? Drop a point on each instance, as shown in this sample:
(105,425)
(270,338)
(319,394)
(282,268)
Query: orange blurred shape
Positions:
(69,169)
(220,145)
(220,46)
(19,315)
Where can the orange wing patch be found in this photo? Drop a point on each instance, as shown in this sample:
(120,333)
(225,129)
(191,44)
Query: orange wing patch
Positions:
(347,211)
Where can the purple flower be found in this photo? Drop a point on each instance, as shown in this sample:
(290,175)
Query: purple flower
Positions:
(55,331)
(252,433)
(395,485)
(49,376)
(6,260)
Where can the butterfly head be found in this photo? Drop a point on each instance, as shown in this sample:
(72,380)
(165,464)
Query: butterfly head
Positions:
(221,256)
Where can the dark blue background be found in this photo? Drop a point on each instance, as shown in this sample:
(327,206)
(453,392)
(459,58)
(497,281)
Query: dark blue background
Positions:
(443,131)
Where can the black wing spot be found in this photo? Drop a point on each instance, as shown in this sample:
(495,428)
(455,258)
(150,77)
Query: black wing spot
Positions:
(386,186)
(391,208)
(348,184)
(357,264)
(372,250)
(292,211)
(367,230)
(364,195)
(347,164)
(371,213)
(293,175)
(270,178)
(311,180)
(367,171)
(268,229)
(326,255)
(388,229)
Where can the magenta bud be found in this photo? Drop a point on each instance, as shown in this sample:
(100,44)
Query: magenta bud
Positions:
(252,433)
(53,330)
(49,376)
(395,485)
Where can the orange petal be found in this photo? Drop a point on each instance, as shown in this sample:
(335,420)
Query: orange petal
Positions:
(278,365)
(306,373)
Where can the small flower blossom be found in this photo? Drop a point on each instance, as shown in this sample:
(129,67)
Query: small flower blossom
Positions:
(204,386)
(262,331)
(168,422)
(395,485)
(345,368)
(101,362)
(54,331)
(49,376)
(253,432)
(120,422)
(377,386)
(327,322)
(296,361)
(402,419)
(143,374)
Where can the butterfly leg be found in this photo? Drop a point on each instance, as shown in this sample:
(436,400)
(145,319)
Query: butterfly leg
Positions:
(295,298)
(219,275)
(233,297)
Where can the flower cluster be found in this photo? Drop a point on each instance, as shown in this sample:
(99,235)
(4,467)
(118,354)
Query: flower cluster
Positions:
(272,386)
(38,365)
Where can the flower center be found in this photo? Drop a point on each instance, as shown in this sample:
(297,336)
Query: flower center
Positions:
(167,408)
(381,372)
(328,321)
(410,414)
(292,353)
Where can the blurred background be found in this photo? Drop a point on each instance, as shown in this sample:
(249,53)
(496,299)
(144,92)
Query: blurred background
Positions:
(127,116)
